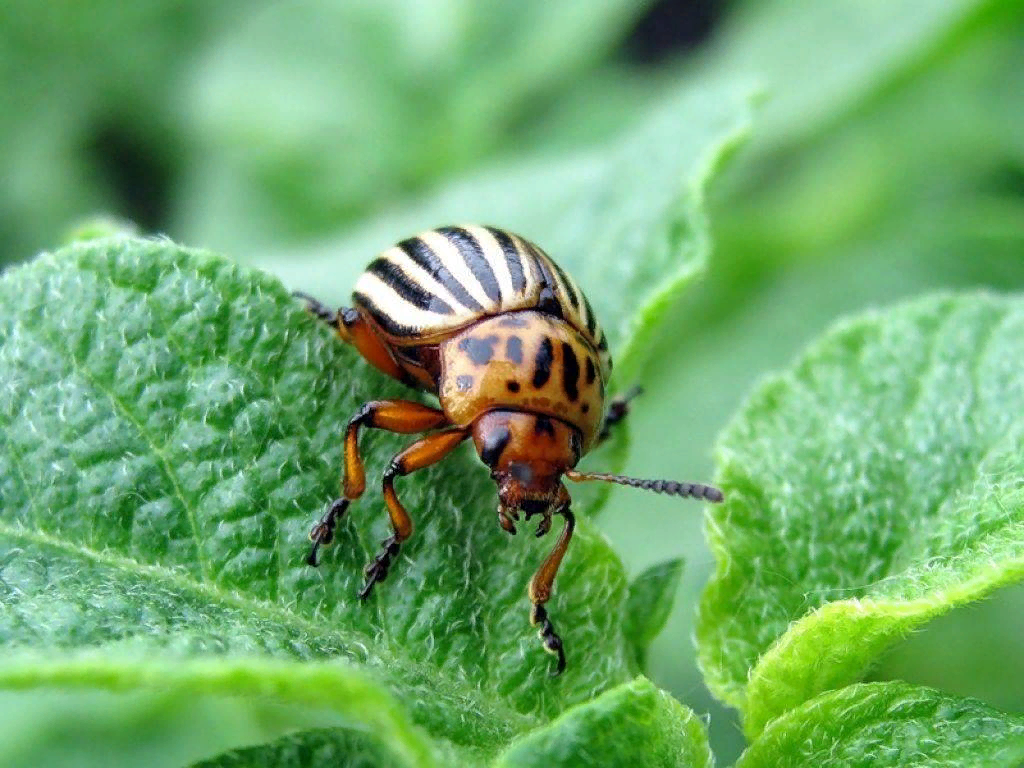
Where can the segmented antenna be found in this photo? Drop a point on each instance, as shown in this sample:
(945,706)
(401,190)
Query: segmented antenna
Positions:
(670,487)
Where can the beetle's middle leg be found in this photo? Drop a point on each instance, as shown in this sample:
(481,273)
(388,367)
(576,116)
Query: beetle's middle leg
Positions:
(402,416)
(543,581)
(618,409)
(430,450)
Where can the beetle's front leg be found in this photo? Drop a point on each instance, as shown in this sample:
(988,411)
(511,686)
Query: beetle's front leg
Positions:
(423,453)
(402,416)
(543,581)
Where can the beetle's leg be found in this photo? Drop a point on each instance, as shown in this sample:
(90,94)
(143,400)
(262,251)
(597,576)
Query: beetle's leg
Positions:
(617,411)
(542,581)
(403,416)
(430,450)
(318,309)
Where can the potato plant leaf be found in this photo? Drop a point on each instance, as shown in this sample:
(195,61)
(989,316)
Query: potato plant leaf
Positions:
(632,724)
(877,484)
(170,427)
(889,724)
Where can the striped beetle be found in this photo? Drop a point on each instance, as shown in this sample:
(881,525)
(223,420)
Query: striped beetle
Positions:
(486,321)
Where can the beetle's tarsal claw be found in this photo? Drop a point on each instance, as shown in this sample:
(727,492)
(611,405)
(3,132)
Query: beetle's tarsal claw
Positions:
(551,639)
(311,558)
(377,571)
(322,533)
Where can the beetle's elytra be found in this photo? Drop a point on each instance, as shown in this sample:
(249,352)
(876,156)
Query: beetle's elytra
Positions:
(487,322)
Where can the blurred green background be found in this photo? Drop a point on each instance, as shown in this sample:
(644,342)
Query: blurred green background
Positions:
(887,159)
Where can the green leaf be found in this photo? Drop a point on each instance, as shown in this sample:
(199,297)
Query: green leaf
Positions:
(650,600)
(889,724)
(634,724)
(188,709)
(867,46)
(875,486)
(169,429)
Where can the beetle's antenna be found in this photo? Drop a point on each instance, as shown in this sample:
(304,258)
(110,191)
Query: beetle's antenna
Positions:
(670,487)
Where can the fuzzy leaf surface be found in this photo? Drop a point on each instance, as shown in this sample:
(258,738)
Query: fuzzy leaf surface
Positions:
(889,724)
(170,426)
(877,484)
(632,724)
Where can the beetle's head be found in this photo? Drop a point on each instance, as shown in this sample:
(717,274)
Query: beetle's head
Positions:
(527,453)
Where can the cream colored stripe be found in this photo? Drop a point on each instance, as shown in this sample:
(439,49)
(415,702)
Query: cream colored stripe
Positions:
(398,309)
(422,277)
(530,268)
(496,258)
(449,255)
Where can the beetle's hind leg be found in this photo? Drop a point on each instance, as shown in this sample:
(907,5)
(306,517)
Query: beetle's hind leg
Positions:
(618,409)
(402,416)
(542,582)
(430,450)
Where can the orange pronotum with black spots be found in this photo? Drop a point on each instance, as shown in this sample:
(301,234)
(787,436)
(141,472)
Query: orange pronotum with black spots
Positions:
(510,345)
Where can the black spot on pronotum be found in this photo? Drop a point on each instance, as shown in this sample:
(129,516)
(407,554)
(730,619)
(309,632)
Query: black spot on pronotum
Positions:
(544,425)
(514,349)
(591,370)
(493,445)
(585,408)
(512,385)
(542,363)
(480,350)
(570,372)
(463,383)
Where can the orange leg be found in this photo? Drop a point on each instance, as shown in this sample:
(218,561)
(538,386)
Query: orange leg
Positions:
(430,450)
(543,581)
(402,416)
(354,329)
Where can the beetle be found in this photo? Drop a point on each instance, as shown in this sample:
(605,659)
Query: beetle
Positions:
(488,323)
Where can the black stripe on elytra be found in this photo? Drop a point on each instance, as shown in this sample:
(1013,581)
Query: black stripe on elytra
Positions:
(591,317)
(570,372)
(547,301)
(473,255)
(383,319)
(421,253)
(480,350)
(406,287)
(494,445)
(591,371)
(570,287)
(512,258)
(542,363)
(514,350)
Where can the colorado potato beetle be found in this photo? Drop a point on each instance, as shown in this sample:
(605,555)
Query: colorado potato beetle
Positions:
(488,323)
